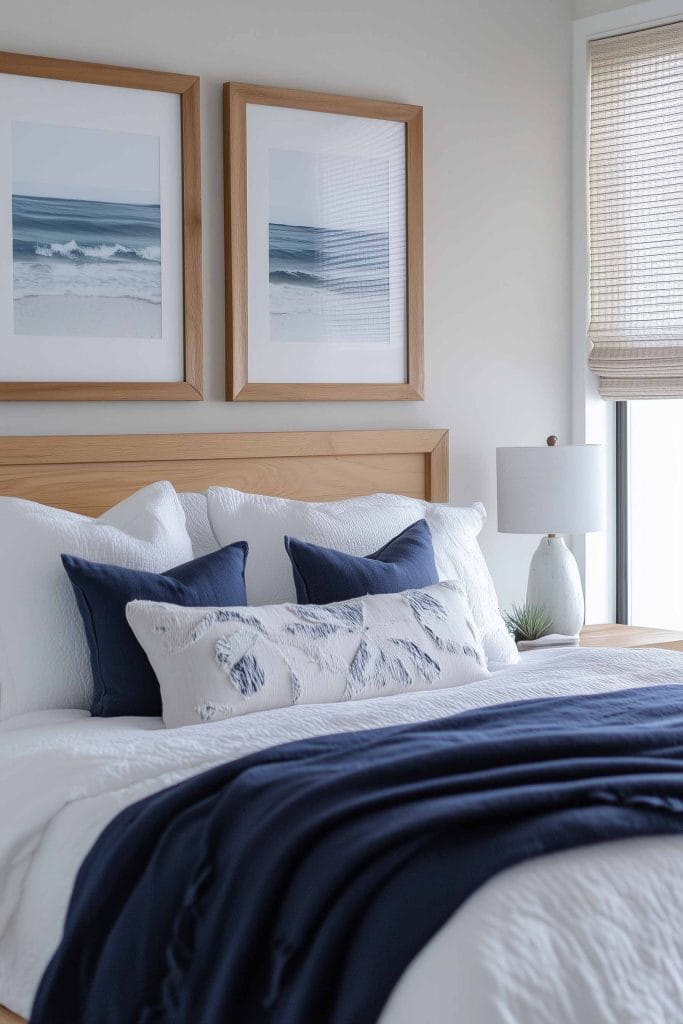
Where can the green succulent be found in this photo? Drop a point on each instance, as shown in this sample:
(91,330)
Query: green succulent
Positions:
(527,621)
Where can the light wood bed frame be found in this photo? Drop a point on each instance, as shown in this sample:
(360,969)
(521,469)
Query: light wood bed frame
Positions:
(10,1018)
(90,474)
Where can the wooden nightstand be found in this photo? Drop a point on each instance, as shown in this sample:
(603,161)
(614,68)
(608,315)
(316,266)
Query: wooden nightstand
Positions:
(611,635)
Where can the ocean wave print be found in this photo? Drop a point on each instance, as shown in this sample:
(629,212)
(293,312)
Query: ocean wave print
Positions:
(76,247)
(328,284)
(72,250)
(297,277)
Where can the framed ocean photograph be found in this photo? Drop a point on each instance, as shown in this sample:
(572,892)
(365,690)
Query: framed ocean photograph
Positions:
(100,220)
(323,207)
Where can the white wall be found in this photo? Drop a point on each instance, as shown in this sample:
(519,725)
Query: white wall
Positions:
(584,8)
(494,79)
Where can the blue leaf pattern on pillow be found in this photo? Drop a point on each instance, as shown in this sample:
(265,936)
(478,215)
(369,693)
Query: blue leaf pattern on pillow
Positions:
(372,665)
(352,613)
(431,615)
(235,656)
(357,678)
(315,630)
(424,604)
(248,676)
(208,710)
(175,642)
(423,662)
(320,623)
(328,619)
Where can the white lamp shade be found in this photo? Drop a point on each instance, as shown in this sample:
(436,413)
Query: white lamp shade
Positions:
(558,489)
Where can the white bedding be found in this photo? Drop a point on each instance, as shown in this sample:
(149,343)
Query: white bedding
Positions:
(590,935)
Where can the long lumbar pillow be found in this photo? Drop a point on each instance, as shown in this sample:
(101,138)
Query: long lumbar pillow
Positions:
(215,663)
(356,526)
(124,683)
(44,659)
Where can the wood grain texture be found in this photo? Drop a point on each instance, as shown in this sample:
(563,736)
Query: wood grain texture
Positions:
(99,391)
(613,635)
(90,474)
(674,645)
(186,87)
(95,74)
(235,240)
(415,253)
(439,470)
(328,393)
(9,1018)
(236,96)
(192,240)
(328,103)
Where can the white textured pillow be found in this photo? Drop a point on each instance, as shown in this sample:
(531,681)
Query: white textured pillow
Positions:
(196,511)
(44,660)
(359,526)
(215,663)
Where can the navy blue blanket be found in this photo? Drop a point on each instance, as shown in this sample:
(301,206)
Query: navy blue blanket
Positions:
(295,885)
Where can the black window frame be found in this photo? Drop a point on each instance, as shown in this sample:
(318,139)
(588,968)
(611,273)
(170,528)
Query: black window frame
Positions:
(623,596)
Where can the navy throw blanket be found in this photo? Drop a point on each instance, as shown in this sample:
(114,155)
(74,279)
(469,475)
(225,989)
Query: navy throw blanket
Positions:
(295,885)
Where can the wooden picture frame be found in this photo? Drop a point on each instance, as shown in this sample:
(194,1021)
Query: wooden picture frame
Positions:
(237,97)
(186,87)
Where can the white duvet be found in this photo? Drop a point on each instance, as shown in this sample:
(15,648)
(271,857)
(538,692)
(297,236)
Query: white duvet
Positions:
(587,936)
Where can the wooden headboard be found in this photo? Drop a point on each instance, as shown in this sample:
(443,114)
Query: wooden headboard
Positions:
(90,474)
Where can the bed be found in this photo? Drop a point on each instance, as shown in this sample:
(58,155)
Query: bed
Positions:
(590,934)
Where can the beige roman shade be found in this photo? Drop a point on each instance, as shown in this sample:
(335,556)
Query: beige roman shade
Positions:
(636,213)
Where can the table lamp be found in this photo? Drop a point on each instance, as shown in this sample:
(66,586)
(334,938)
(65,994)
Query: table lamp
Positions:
(552,490)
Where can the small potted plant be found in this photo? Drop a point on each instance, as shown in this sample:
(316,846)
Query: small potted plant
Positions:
(527,621)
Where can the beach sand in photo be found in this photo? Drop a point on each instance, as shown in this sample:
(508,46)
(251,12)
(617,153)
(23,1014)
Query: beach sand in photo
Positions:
(87,316)
(303,314)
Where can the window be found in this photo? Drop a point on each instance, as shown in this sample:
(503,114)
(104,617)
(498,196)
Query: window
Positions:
(635,175)
(654,513)
(635,169)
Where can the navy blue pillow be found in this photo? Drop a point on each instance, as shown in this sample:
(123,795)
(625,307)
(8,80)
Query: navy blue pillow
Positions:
(323,575)
(125,683)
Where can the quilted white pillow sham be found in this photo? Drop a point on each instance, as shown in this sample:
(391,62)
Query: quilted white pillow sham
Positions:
(196,511)
(359,526)
(44,660)
(215,663)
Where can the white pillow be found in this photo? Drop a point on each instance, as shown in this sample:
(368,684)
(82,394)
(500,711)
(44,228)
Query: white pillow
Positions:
(359,526)
(215,663)
(44,660)
(196,511)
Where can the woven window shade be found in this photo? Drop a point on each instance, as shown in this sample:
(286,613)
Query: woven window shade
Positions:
(636,213)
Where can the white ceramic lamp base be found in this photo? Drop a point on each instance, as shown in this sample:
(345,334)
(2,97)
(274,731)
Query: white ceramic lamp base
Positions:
(554,582)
